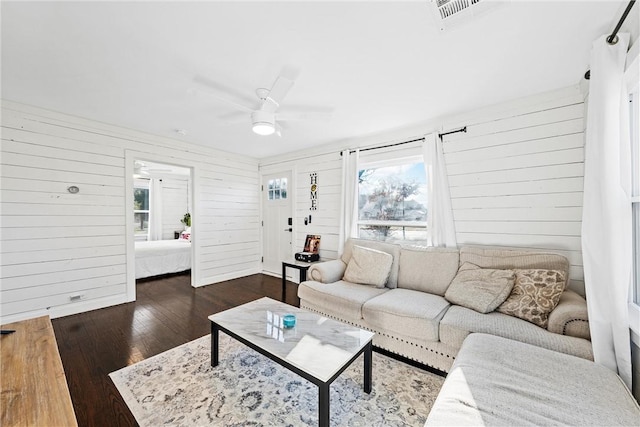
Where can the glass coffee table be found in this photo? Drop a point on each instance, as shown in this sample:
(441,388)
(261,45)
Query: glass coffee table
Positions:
(316,348)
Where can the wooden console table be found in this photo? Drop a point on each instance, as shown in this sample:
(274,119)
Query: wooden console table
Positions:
(34,387)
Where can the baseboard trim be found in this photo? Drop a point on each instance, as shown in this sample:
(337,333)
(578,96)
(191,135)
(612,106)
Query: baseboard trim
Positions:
(228,276)
(68,309)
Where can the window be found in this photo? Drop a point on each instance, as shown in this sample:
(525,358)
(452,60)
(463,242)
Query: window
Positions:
(392,200)
(141,207)
(634,105)
(277,189)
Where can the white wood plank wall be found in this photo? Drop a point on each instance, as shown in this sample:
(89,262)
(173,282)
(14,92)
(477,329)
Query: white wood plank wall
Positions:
(325,221)
(516,179)
(175,203)
(55,245)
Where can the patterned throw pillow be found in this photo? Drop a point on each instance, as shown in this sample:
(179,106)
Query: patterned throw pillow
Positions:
(535,294)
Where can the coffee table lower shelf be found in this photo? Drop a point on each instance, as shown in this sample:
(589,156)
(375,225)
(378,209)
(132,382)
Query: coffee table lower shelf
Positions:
(323,386)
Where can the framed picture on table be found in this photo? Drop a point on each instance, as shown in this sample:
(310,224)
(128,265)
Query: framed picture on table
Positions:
(312,244)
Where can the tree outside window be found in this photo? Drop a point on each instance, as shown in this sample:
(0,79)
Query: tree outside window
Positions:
(392,202)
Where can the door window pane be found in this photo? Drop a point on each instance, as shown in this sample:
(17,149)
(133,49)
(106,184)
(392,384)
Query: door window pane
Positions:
(277,189)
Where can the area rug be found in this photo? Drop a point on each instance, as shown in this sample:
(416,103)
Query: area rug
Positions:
(179,387)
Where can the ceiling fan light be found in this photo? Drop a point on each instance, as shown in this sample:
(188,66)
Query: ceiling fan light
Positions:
(263,128)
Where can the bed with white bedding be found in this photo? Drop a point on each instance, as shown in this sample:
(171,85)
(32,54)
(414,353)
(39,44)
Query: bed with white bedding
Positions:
(157,257)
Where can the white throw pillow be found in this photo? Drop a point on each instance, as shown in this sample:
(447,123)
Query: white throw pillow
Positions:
(368,267)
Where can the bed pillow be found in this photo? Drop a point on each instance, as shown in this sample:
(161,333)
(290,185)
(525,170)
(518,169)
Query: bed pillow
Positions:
(535,294)
(480,289)
(368,267)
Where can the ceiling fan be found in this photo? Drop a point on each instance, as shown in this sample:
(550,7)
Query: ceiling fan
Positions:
(142,169)
(266,117)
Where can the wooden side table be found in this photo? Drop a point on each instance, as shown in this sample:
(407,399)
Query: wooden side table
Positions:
(302,266)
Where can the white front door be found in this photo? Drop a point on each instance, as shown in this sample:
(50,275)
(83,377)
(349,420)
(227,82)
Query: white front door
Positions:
(277,216)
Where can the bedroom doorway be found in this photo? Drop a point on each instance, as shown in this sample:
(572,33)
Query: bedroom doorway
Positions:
(277,221)
(159,220)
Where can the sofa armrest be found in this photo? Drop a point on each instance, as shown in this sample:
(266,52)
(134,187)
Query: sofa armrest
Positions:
(570,317)
(328,271)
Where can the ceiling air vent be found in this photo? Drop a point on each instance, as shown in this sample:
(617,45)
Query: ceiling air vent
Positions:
(448,13)
(448,8)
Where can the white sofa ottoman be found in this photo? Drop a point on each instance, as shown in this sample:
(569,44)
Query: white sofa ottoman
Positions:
(498,381)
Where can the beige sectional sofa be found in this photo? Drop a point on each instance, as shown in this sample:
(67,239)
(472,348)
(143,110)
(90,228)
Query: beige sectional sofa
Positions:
(501,382)
(411,316)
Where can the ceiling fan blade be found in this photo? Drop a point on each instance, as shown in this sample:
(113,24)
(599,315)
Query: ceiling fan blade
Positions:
(315,116)
(234,118)
(279,128)
(277,94)
(214,90)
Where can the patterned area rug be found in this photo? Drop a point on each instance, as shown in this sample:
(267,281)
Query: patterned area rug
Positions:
(179,387)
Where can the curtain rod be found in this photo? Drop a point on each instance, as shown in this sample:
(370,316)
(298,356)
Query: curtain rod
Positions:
(440,135)
(464,129)
(386,146)
(613,38)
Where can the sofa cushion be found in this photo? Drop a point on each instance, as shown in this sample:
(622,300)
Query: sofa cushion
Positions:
(427,270)
(501,382)
(480,289)
(535,293)
(505,259)
(368,267)
(341,299)
(458,322)
(412,314)
(390,248)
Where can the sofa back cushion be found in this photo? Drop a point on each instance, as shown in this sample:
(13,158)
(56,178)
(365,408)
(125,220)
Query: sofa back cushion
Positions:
(368,267)
(390,248)
(428,270)
(505,259)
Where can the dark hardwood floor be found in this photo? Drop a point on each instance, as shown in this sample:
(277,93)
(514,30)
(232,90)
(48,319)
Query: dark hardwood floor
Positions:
(168,312)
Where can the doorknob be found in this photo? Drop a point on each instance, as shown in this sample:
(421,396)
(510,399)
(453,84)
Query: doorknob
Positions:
(288,229)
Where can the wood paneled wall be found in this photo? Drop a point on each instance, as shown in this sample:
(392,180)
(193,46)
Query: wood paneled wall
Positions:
(175,203)
(55,244)
(325,221)
(516,177)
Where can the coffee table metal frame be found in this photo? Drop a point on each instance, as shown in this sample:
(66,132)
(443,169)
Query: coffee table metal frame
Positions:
(323,387)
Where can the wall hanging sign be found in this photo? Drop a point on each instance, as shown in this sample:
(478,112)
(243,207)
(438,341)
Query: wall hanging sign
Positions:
(314,191)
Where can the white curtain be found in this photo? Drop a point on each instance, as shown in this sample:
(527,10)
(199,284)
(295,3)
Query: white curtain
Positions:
(440,227)
(155,209)
(606,217)
(349,205)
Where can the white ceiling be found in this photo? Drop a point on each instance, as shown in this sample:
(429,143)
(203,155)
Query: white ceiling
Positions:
(377,65)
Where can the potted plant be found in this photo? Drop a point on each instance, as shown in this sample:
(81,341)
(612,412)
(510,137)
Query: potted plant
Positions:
(186,220)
